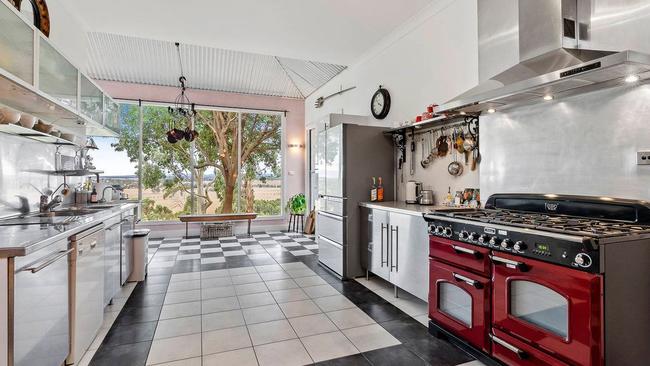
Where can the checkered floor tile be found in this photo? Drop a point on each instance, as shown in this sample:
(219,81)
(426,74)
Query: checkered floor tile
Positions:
(257,249)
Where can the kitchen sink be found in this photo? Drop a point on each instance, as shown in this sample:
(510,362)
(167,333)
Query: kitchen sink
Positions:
(65,212)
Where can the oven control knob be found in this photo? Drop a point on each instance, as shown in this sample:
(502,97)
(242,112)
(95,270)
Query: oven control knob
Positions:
(506,243)
(473,237)
(463,235)
(583,260)
(495,241)
(440,230)
(520,246)
(449,232)
(483,239)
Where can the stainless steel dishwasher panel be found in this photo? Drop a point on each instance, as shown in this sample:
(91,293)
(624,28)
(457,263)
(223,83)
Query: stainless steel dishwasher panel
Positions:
(112,243)
(87,299)
(40,307)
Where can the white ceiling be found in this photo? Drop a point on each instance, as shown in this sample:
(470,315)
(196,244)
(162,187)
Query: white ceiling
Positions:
(146,61)
(329,31)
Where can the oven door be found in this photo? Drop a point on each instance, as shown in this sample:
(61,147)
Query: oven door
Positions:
(459,302)
(556,309)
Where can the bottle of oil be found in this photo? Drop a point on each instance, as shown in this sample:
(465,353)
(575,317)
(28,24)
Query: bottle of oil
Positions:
(373,190)
(380,191)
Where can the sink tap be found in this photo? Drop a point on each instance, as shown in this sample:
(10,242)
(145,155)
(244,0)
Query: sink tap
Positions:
(48,206)
(103,200)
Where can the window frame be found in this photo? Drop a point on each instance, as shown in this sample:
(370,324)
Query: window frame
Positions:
(239,111)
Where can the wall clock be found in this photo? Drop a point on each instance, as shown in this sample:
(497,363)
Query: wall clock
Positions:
(36,11)
(380,103)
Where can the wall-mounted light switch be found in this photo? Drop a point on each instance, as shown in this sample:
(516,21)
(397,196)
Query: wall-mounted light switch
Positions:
(643,157)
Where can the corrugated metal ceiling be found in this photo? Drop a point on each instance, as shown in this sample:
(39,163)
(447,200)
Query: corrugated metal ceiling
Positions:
(145,61)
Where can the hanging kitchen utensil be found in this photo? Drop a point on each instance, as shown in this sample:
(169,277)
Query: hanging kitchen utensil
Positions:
(412,171)
(460,140)
(425,153)
(442,145)
(455,168)
(433,147)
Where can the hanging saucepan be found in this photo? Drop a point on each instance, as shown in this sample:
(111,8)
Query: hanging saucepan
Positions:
(170,137)
(455,168)
(191,135)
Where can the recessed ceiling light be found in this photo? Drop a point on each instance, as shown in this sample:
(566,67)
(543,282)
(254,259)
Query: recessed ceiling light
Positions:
(491,110)
(548,97)
(632,79)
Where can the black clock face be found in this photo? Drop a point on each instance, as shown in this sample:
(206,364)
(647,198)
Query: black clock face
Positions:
(380,103)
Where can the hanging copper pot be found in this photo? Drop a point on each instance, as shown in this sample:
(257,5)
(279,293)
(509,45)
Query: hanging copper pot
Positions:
(170,137)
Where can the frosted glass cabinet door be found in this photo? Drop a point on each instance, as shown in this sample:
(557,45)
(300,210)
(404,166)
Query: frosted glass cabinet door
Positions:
(321,146)
(112,114)
(334,161)
(16,45)
(57,77)
(92,100)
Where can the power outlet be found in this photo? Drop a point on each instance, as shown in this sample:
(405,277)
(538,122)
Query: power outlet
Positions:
(643,157)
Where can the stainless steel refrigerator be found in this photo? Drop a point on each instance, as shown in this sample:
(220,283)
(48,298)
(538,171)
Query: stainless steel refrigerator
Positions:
(348,156)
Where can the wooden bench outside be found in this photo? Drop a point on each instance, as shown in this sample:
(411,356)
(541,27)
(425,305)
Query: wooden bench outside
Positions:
(217,218)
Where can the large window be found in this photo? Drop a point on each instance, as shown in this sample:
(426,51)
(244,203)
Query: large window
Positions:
(234,165)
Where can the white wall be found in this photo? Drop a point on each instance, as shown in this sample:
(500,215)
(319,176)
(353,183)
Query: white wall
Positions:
(68,33)
(431,59)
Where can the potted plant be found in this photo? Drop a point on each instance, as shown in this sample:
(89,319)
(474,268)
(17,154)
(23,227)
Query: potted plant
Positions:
(297,205)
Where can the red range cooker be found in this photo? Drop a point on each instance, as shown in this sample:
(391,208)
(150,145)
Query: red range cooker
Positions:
(543,280)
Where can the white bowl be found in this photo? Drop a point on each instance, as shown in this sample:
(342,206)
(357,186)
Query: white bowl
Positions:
(27,121)
(9,116)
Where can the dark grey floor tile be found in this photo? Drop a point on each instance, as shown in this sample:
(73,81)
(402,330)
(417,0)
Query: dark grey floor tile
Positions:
(141,299)
(132,315)
(134,354)
(129,333)
(354,360)
(396,355)
(382,312)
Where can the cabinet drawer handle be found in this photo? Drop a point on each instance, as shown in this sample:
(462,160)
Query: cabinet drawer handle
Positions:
(59,255)
(460,250)
(382,246)
(521,266)
(521,354)
(476,284)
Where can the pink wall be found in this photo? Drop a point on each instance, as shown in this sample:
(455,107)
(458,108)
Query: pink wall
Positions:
(294,128)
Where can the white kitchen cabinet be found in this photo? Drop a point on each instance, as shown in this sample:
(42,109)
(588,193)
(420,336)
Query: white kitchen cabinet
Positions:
(57,76)
(112,258)
(398,250)
(91,99)
(16,45)
(410,254)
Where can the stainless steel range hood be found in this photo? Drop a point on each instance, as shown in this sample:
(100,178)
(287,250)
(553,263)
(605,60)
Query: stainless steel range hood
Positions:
(550,36)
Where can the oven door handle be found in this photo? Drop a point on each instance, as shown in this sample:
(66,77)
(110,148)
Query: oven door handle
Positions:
(460,250)
(521,354)
(476,284)
(521,266)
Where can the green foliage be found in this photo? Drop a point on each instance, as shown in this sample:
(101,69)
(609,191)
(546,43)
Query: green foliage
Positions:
(268,207)
(154,212)
(297,204)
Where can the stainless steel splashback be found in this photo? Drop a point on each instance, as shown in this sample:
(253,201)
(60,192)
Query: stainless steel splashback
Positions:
(580,145)
(20,158)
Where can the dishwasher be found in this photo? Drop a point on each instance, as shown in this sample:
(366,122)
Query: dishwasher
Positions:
(38,307)
(126,250)
(86,290)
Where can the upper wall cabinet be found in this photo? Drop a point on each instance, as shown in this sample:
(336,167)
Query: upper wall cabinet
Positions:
(57,77)
(16,45)
(35,78)
(92,99)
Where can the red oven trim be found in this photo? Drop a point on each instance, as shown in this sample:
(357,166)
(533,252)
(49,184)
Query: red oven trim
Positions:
(443,250)
(477,334)
(584,293)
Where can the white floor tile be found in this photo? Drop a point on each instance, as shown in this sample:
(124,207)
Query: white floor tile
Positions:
(263,314)
(286,353)
(256,299)
(299,308)
(269,332)
(310,281)
(350,318)
(182,296)
(178,327)
(225,340)
(296,273)
(211,260)
(271,276)
(312,324)
(216,292)
(215,282)
(242,271)
(281,284)
(246,278)
(195,361)
(328,346)
(302,252)
(268,268)
(233,253)
(180,310)
(370,337)
(250,288)
(333,303)
(184,285)
(215,273)
(240,357)
(320,291)
(219,304)
(211,250)
(185,257)
(172,349)
(222,320)
(185,276)
(294,294)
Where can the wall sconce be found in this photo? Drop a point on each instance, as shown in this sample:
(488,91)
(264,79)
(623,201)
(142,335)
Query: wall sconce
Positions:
(300,146)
